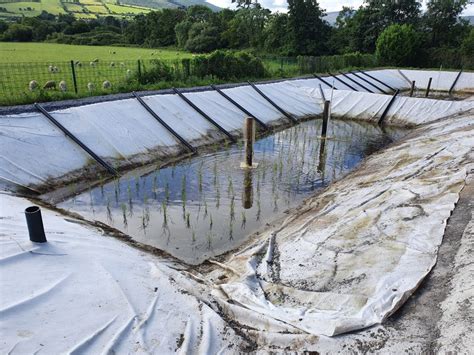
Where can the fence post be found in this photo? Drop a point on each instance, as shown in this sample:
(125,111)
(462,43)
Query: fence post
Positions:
(74,80)
(139,68)
(412,88)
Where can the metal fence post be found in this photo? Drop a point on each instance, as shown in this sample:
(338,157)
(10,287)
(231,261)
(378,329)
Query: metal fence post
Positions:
(74,80)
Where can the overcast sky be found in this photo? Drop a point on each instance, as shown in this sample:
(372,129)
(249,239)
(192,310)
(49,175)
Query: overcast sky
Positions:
(329,5)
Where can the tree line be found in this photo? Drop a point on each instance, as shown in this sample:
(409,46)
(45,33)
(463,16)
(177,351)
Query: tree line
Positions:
(398,31)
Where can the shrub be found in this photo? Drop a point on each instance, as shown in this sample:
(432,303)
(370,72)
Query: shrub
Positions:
(158,71)
(397,45)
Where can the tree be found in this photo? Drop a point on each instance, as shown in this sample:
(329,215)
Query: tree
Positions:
(309,32)
(397,45)
(18,33)
(276,34)
(442,22)
(467,47)
(202,37)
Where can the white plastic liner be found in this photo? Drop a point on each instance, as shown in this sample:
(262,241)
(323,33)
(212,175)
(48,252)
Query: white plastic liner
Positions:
(253,102)
(32,150)
(405,111)
(83,293)
(180,116)
(356,252)
(441,80)
(219,109)
(117,129)
(291,99)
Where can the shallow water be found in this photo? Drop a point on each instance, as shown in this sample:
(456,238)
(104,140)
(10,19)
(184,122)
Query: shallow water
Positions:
(207,205)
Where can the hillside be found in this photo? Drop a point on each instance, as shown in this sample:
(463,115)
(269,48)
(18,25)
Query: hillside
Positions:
(88,9)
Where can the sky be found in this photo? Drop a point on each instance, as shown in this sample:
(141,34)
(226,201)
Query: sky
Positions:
(328,5)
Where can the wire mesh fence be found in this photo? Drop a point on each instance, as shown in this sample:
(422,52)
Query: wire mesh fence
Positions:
(42,81)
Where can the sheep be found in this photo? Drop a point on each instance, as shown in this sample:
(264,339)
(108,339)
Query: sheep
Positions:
(129,72)
(55,69)
(106,85)
(96,60)
(92,64)
(112,64)
(33,85)
(51,69)
(62,86)
(90,86)
(78,63)
(50,84)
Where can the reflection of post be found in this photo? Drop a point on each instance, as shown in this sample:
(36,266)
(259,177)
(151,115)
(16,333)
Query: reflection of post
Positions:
(247,199)
(322,158)
(324,129)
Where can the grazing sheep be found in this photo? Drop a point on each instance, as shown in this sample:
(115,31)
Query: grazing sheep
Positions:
(51,69)
(50,84)
(78,63)
(33,85)
(62,86)
(90,86)
(55,69)
(96,60)
(92,64)
(129,72)
(112,64)
(106,85)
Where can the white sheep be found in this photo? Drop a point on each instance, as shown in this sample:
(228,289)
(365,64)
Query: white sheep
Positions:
(92,64)
(112,64)
(33,85)
(90,86)
(50,84)
(106,85)
(55,69)
(51,69)
(62,86)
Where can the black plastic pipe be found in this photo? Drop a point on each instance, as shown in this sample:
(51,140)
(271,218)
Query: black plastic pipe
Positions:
(454,83)
(368,82)
(205,115)
(355,82)
(240,107)
(324,81)
(163,123)
(377,80)
(75,140)
(342,81)
(35,224)
(384,113)
(286,114)
(322,93)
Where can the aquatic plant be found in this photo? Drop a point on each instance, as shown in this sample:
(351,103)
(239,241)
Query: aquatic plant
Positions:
(188,220)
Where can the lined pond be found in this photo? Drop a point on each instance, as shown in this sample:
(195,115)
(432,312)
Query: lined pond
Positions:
(207,205)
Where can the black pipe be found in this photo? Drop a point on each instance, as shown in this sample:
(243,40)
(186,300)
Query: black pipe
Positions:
(384,113)
(455,81)
(163,123)
(35,224)
(377,80)
(205,115)
(77,141)
(324,81)
(355,82)
(342,81)
(322,93)
(368,82)
(241,108)
(290,117)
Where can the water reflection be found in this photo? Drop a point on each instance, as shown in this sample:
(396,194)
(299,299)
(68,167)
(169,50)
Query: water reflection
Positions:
(207,205)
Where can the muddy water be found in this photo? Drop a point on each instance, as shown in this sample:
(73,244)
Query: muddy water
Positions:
(208,205)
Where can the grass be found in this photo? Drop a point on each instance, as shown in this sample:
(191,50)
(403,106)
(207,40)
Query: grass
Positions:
(52,52)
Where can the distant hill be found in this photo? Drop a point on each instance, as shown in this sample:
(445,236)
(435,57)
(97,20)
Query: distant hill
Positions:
(89,9)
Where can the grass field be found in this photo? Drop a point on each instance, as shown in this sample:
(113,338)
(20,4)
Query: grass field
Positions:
(51,52)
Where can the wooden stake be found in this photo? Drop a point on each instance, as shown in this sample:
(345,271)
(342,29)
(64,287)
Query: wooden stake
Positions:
(324,129)
(249,138)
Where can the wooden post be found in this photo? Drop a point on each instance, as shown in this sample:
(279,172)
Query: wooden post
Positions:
(412,88)
(324,129)
(249,136)
(428,87)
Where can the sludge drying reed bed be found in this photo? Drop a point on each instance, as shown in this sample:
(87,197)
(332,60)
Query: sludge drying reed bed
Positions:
(207,205)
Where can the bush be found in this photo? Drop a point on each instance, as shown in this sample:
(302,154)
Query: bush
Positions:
(398,45)
(228,65)
(158,71)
